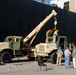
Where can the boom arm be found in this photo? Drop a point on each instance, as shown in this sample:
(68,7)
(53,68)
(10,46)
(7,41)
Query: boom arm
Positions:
(37,29)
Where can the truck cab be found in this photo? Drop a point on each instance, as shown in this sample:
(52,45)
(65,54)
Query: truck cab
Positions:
(60,41)
(14,42)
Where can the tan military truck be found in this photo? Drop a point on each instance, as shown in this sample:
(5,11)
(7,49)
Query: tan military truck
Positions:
(46,50)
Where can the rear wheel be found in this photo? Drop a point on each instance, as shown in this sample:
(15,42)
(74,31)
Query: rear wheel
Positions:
(53,58)
(6,57)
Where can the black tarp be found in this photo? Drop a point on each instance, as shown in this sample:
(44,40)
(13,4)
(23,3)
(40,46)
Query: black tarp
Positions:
(20,17)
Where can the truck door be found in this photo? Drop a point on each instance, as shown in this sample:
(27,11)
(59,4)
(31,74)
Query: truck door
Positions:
(62,43)
(16,44)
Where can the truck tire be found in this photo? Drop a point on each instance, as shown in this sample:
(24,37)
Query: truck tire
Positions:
(6,57)
(53,58)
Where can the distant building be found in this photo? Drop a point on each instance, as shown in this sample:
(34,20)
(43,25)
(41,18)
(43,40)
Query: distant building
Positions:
(72,5)
(66,4)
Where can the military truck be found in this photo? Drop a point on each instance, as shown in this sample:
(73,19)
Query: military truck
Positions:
(48,50)
(13,45)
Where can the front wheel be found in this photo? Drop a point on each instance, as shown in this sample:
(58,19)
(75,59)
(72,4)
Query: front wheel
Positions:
(53,58)
(6,57)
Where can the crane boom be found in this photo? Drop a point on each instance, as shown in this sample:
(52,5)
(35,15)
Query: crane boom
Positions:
(39,26)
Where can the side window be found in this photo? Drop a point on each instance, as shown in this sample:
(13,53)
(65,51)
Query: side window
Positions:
(9,39)
(16,39)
